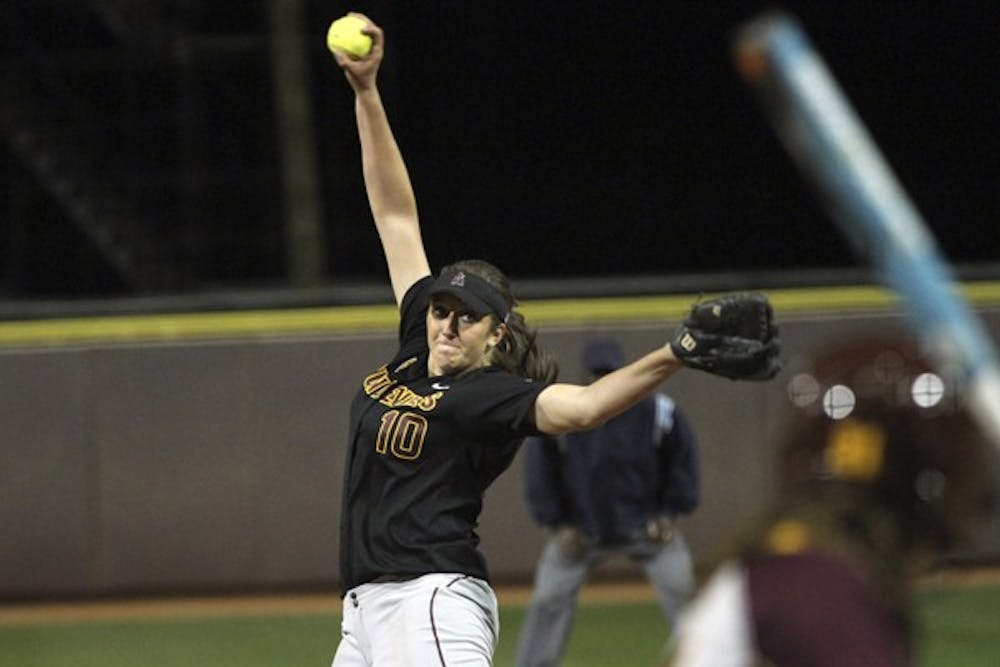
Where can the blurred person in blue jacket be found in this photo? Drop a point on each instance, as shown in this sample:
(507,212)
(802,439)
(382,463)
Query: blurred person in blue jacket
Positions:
(613,490)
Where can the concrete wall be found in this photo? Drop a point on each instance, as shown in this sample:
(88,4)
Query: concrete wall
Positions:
(217,466)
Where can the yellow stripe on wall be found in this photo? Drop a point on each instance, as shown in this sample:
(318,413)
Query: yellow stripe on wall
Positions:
(384,318)
(203,326)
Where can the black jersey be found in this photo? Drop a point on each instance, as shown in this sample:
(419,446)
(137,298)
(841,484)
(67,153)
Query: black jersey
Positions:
(422,452)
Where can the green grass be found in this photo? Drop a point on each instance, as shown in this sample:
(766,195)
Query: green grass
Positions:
(961,628)
(606,634)
(205,642)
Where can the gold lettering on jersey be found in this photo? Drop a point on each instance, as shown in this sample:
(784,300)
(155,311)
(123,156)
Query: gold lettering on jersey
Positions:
(404,397)
(397,396)
(406,364)
(377,382)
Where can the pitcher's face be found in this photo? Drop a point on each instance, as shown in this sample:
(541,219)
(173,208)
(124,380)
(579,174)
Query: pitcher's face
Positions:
(458,339)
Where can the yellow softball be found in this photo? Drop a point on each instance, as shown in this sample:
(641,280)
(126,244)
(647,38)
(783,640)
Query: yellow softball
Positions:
(345,36)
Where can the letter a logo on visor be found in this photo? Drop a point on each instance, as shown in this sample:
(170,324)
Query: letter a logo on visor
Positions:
(478,295)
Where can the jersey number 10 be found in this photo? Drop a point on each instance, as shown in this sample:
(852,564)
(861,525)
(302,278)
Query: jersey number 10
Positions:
(401,434)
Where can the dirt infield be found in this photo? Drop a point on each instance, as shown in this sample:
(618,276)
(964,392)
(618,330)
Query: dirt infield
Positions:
(263,605)
(605,592)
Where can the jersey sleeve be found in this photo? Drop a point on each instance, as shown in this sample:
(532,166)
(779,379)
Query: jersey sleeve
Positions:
(499,405)
(413,314)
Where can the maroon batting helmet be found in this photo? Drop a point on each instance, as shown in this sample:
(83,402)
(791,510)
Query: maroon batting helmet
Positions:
(877,414)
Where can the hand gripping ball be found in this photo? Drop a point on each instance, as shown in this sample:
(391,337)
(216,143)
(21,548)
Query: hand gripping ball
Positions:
(345,36)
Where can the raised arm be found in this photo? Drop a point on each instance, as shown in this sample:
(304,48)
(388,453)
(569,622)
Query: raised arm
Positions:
(390,193)
(561,407)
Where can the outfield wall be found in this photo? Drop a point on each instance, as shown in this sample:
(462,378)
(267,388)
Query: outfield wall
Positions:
(201,452)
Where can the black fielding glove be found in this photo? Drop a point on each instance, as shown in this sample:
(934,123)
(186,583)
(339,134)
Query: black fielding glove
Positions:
(733,336)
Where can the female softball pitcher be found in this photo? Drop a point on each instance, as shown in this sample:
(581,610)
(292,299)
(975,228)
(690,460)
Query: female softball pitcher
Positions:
(438,422)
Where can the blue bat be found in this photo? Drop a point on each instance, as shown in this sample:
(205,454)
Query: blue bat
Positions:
(831,146)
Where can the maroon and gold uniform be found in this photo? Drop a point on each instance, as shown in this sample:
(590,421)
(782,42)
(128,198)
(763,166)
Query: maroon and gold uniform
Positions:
(422,452)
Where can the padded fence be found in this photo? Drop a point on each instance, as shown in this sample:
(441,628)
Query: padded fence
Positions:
(214,462)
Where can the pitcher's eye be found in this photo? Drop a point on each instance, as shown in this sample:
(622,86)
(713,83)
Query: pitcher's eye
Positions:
(441,312)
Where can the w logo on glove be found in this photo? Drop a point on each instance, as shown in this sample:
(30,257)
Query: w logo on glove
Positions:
(733,336)
(687,342)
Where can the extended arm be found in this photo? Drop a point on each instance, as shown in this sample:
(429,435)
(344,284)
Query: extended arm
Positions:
(387,182)
(561,407)
(733,336)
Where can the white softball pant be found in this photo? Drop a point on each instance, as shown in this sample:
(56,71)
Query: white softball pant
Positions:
(436,619)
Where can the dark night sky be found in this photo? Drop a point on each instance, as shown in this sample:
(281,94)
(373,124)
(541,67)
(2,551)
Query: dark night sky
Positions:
(617,138)
(606,138)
